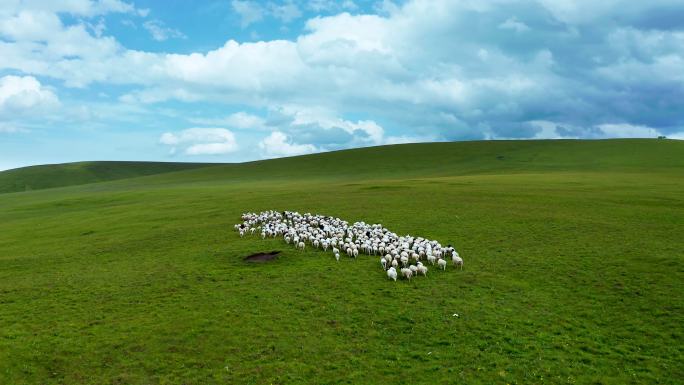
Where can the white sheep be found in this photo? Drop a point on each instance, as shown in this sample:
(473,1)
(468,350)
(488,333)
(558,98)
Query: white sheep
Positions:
(458,261)
(414,269)
(407,273)
(342,237)
(422,269)
(392,273)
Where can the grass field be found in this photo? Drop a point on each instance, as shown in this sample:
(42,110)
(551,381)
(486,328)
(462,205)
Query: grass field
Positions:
(59,175)
(574,271)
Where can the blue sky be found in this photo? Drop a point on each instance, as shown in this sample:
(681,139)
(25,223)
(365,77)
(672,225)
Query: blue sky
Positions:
(231,80)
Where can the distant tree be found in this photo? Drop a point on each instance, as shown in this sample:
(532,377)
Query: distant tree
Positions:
(662,137)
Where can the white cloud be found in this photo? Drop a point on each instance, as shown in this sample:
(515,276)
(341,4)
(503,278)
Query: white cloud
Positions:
(286,12)
(201,141)
(102,7)
(6,128)
(33,26)
(345,35)
(403,139)
(243,120)
(84,8)
(578,11)
(239,121)
(211,148)
(320,127)
(554,130)
(19,94)
(386,7)
(160,32)
(279,144)
(143,12)
(513,24)
(342,59)
(331,5)
(547,130)
(349,5)
(321,5)
(259,67)
(623,130)
(359,74)
(24,102)
(99,28)
(250,12)
(365,132)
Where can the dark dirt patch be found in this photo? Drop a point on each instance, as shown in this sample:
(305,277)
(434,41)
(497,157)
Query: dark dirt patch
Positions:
(387,187)
(262,257)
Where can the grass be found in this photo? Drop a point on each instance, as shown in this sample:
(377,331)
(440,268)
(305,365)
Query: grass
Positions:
(573,271)
(69,174)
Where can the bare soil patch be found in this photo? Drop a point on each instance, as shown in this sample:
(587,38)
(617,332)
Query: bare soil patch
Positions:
(262,257)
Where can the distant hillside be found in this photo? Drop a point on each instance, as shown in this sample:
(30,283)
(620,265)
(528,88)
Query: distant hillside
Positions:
(421,160)
(472,157)
(68,174)
(383,162)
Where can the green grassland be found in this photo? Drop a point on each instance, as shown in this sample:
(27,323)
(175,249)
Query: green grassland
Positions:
(574,271)
(58,175)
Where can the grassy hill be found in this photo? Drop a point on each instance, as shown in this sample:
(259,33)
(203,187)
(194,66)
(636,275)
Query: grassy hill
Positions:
(385,162)
(68,174)
(573,269)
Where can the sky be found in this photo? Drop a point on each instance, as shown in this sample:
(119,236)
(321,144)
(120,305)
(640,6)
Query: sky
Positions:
(240,80)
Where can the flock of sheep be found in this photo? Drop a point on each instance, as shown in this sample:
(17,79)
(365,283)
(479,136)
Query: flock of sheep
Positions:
(338,236)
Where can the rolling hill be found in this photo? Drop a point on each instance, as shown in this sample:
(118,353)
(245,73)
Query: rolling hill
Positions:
(572,249)
(68,174)
(384,162)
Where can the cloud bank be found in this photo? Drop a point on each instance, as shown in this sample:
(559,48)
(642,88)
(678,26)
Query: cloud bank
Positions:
(201,141)
(419,70)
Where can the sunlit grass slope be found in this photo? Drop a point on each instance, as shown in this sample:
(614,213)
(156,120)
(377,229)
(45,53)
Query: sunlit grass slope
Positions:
(451,159)
(574,271)
(68,174)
